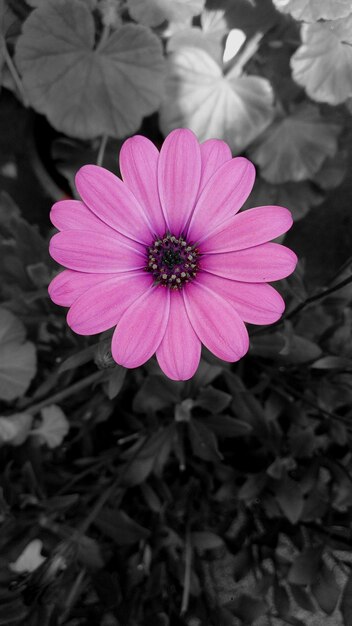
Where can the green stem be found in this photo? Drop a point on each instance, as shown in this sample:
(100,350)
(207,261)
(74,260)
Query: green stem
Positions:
(188,572)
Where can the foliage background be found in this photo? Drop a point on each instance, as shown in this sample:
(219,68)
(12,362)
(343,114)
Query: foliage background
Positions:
(128,499)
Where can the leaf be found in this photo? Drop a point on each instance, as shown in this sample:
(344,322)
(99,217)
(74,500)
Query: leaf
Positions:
(155,394)
(332,363)
(86,90)
(213,400)
(302,598)
(326,590)
(203,441)
(89,553)
(346,602)
(252,487)
(247,608)
(14,430)
(225,426)
(53,428)
(295,146)
(304,570)
(204,540)
(114,382)
(17,359)
(199,96)
(154,12)
(152,456)
(29,559)
(290,499)
(299,198)
(314,10)
(322,64)
(120,527)
(281,600)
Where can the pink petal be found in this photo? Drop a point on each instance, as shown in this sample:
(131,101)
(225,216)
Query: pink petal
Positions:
(248,229)
(261,264)
(256,303)
(216,322)
(141,328)
(86,251)
(67,286)
(139,169)
(74,215)
(113,202)
(214,153)
(179,352)
(179,172)
(102,306)
(222,197)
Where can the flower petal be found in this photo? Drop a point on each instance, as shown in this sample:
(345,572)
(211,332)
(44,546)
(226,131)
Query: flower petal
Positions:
(75,215)
(179,171)
(216,322)
(141,328)
(113,202)
(67,286)
(86,251)
(261,264)
(179,352)
(214,153)
(139,169)
(222,197)
(256,303)
(102,306)
(249,228)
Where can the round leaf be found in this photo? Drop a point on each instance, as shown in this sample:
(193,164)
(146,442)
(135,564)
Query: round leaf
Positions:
(85,89)
(14,429)
(295,146)
(314,10)
(54,426)
(299,198)
(199,96)
(11,328)
(154,12)
(322,64)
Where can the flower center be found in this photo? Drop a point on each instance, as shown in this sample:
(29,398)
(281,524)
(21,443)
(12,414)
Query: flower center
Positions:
(172,261)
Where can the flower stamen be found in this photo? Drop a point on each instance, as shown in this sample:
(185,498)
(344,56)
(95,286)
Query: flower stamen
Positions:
(172,261)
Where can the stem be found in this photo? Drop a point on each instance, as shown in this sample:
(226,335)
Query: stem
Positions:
(188,571)
(104,36)
(65,393)
(101,151)
(319,296)
(13,71)
(237,65)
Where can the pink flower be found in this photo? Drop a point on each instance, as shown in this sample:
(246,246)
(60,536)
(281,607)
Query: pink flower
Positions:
(165,256)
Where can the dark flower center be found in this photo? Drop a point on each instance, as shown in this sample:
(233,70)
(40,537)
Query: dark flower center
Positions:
(172,261)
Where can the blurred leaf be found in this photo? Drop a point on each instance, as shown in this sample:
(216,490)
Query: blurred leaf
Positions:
(14,429)
(194,37)
(154,12)
(322,64)
(212,399)
(89,553)
(120,527)
(199,96)
(332,172)
(346,602)
(295,146)
(225,426)
(314,10)
(17,359)
(115,381)
(205,374)
(247,608)
(83,88)
(156,393)
(152,456)
(326,590)
(252,487)
(281,600)
(301,350)
(290,499)
(203,441)
(53,428)
(305,568)
(204,540)
(78,358)
(302,598)
(331,363)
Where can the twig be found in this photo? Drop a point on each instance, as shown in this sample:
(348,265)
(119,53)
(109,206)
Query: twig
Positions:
(13,71)
(188,571)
